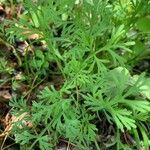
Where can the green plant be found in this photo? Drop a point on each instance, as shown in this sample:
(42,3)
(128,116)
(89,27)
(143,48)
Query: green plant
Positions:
(3,66)
(93,50)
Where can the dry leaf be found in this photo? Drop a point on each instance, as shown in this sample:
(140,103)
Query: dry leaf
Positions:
(18,76)
(5,94)
(34,37)
(2,14)
(21,46)
(10,120)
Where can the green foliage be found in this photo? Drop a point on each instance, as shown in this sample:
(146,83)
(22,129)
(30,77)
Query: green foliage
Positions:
(143,24)
(92,45)
(4,68)
(112,92)
(39,63)
(110,96)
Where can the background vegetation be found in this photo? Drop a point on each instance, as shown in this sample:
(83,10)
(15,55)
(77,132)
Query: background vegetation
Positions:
(75,73)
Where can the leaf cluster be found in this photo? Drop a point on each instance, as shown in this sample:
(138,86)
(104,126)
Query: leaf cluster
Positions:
(93,49)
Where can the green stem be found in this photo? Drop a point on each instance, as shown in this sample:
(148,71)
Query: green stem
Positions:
(40,135)
(97,146)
